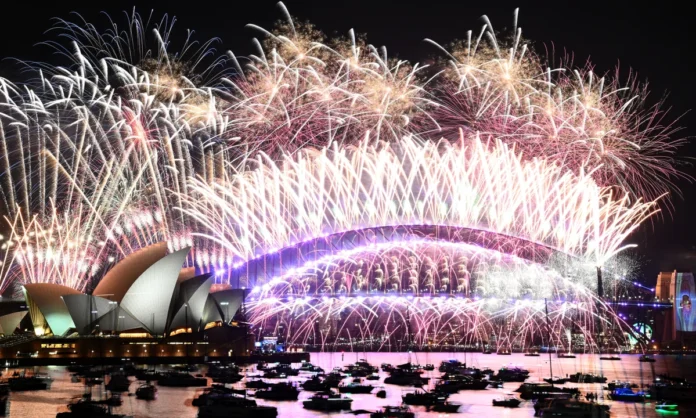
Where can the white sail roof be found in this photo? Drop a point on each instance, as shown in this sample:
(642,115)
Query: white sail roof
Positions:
(193,294)
(10,322)
(85,309)
(48,303)
(149,298)
(121,277)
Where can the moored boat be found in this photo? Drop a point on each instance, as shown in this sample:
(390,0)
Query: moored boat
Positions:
(313,384)
(513,374)
(447,407)
(24,383)
(147,392)
(625,394)
(615,384)
(273,374)
(451,366)
(333,379)
(309,367)
(508,401)
(665,406)
(402,411)
(424,398)
(355,388)
(260,384)
(587,378)
(227,409)
(89,409)
(228,378)
(327,401)
(544,391)
(461,383)
(557,380)
(180,379)
(118,383)
(362,363)
(217,394)
(574,409)
(279,392)
(407,378)
(286,370)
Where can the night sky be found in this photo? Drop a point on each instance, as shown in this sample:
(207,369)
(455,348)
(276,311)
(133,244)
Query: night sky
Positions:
(651,39)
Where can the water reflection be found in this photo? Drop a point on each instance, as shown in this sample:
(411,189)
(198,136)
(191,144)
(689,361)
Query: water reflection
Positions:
(176,402)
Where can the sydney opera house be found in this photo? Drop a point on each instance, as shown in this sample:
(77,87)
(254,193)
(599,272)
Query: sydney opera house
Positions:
(146,305)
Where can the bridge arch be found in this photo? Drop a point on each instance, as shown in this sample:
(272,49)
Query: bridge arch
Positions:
(307,256)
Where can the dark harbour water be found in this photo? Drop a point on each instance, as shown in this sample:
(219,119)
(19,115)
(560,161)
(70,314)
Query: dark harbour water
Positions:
(176,402)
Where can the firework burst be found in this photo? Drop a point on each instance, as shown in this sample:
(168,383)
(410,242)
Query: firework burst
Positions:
(134,143)
(412,183)
(586,122)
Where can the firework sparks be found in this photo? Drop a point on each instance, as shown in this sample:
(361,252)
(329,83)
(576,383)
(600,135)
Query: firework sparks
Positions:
(585,121)
(412,183)
(315,137)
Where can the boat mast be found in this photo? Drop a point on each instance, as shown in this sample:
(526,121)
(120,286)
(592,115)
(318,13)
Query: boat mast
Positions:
(548,327)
